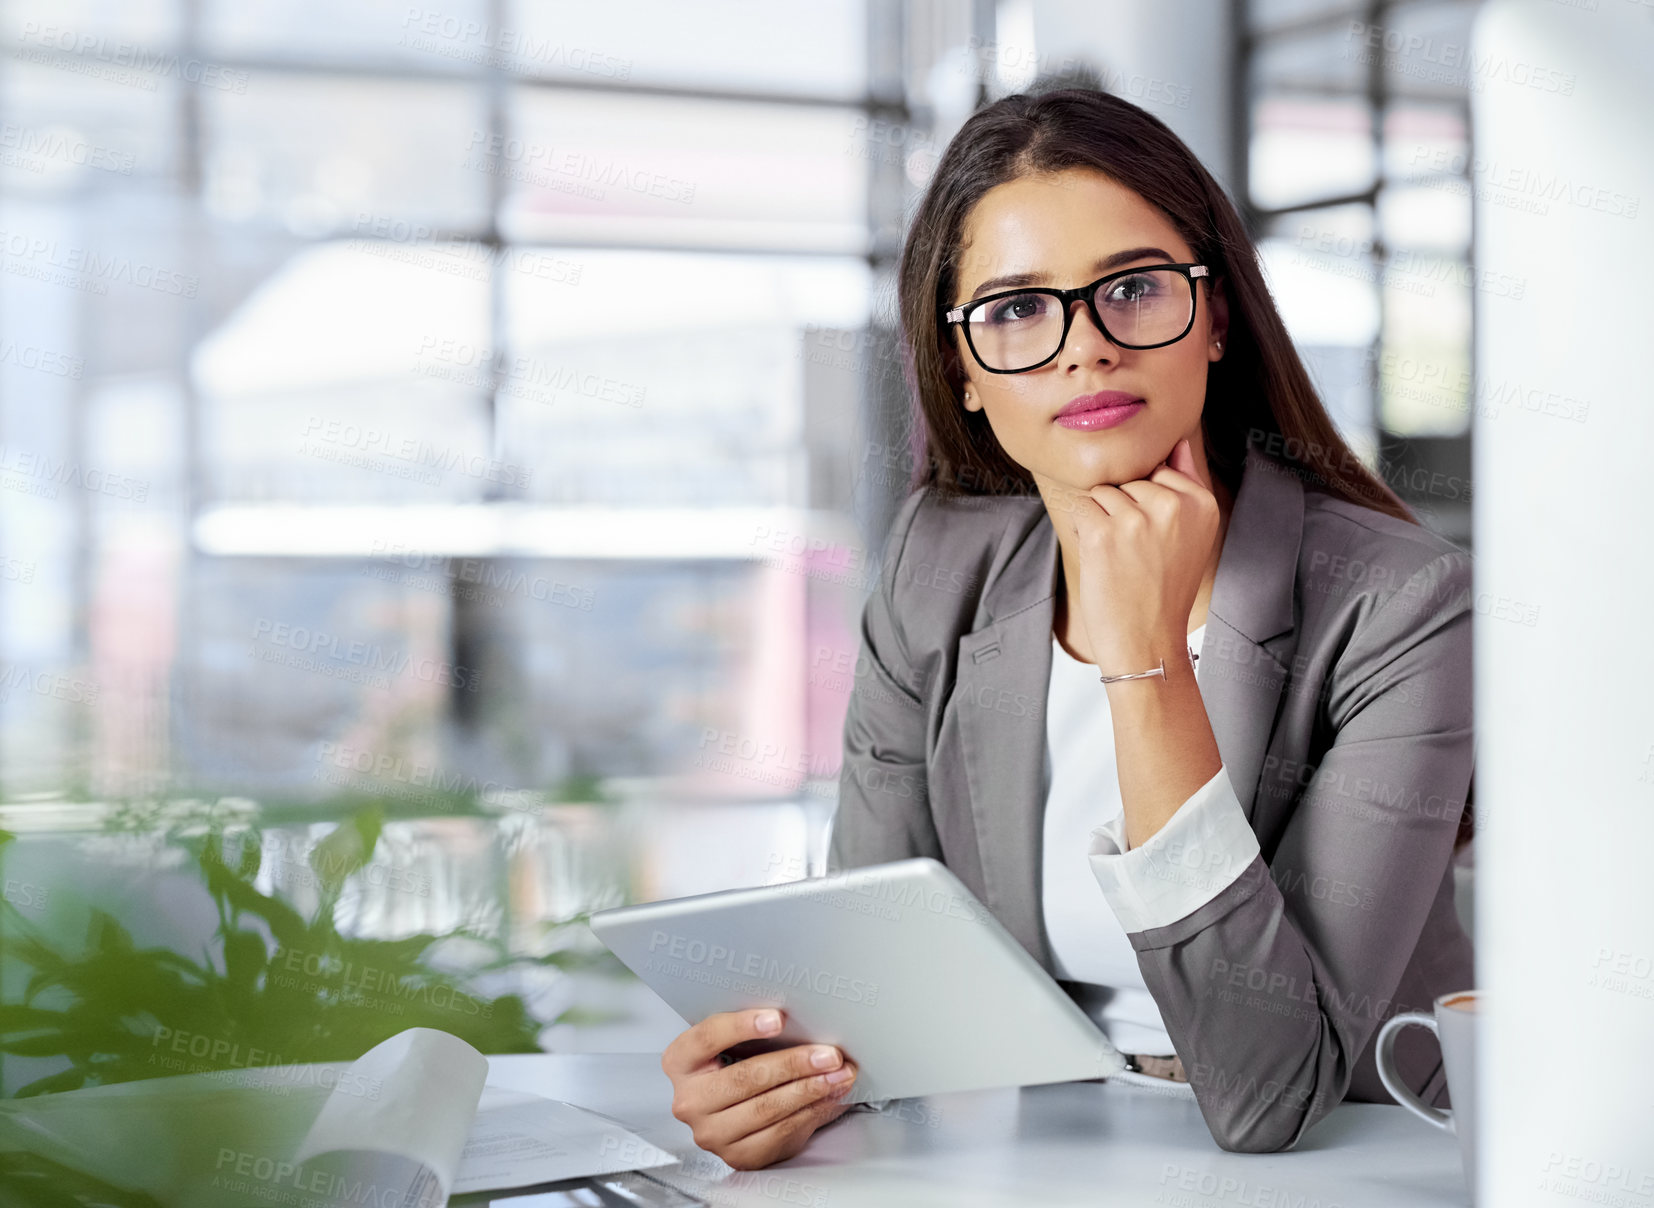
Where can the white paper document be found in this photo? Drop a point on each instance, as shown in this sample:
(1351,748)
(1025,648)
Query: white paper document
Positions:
(519,1139)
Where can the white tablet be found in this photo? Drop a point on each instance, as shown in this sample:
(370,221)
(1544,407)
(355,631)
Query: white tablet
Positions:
(898,964)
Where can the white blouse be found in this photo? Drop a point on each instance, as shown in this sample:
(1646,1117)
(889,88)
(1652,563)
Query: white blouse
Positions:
(1094,890)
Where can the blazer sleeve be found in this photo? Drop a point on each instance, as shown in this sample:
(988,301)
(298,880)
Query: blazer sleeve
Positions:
(1273,989)
(883,811)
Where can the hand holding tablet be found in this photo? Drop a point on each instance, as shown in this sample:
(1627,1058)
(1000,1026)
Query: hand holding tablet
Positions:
(761,1110)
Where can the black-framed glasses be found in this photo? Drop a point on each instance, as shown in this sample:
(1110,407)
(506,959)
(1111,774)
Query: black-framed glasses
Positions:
(1022,329)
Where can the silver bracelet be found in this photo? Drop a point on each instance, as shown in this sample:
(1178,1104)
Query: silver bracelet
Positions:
(1160,670)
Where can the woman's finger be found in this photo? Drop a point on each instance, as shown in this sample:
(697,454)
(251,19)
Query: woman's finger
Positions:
(1150,495)
(1182,458)
(1176,479)
(1112,499)
(1181,462)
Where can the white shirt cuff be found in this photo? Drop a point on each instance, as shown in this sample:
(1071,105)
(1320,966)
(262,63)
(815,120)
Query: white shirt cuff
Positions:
(1195,856)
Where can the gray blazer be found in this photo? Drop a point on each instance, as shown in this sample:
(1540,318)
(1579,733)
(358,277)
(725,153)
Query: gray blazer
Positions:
(1336,671)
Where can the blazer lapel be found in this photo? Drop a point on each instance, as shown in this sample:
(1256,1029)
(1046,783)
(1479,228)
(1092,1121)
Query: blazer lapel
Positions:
(1251,631)
(1004,669)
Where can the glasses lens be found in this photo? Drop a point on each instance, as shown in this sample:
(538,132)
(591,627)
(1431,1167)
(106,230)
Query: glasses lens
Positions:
(1017,331)
(1148,307)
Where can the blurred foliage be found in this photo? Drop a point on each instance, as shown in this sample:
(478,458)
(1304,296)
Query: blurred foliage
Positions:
(273,988)
(30,1181)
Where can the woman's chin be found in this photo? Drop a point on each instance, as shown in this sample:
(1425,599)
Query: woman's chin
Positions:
(1114,473)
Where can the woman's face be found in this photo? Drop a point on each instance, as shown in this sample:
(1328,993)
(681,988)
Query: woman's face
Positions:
(1064,230)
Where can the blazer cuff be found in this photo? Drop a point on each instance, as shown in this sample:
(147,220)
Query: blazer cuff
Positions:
(1200,851)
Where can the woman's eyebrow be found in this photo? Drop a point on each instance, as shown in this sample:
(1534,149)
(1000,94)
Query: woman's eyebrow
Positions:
(1012,280)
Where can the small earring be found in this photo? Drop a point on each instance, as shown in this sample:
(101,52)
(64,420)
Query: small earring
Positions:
(1218,345)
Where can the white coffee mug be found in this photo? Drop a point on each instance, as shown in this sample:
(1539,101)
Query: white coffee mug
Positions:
(1454,1024)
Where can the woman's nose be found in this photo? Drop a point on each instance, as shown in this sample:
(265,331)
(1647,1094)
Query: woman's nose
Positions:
(1086,342)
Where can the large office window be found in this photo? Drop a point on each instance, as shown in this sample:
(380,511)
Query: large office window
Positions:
(478,386)
(1357,167)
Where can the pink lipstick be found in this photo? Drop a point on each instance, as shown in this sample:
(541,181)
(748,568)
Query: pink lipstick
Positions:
(1101,410)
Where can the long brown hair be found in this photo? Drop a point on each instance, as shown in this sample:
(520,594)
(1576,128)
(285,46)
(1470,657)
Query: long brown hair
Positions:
(1258,393)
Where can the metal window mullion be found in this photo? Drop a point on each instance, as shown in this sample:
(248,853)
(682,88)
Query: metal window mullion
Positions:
(1379,252)
(191,189)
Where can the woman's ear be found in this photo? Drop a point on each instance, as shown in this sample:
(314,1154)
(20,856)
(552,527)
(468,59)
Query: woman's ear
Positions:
(1218,300)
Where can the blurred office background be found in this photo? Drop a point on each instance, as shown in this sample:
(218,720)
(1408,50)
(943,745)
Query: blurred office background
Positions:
(484,414)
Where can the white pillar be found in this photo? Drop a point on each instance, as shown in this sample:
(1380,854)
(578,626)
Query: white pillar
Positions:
(1564,679)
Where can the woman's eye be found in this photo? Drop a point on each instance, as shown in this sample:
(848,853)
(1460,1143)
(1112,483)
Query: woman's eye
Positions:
(1131,289)
(1017,309)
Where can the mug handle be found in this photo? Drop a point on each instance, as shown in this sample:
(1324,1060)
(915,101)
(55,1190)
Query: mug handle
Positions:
(1385,1060)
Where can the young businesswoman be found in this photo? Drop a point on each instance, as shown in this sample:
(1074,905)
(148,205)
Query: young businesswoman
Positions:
(1197,725)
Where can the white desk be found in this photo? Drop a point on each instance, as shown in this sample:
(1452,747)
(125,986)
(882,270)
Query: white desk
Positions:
(1080,1143)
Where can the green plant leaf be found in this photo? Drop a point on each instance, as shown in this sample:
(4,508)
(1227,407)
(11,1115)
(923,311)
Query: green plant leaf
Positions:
(17,1017)
(348,847)
(107,935)
(245,959)
(285,923)
(252,855)
(70,1079)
